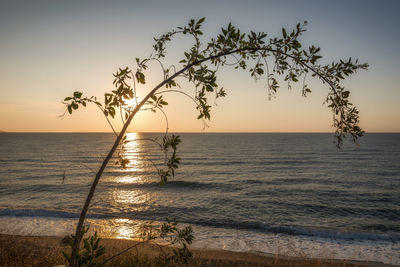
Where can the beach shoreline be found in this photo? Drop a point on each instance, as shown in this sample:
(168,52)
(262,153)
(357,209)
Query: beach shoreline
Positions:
(19,250)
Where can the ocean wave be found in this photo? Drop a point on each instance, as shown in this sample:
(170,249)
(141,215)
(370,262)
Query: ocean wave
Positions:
(310,232)
(332,234)
(45,213)
(173,184)
(305,231)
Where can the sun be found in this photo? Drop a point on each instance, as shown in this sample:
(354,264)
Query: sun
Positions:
(130,103)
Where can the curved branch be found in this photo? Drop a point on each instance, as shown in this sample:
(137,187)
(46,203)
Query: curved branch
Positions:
(166,120)
(123,251)
(138,107)
(120,113)
(172,67)
(109,122)
(234,63)
(162,66)
(177,91)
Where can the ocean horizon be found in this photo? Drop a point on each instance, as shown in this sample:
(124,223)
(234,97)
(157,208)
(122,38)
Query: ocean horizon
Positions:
(266,192)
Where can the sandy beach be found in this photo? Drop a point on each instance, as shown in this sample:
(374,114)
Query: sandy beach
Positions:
(47,251)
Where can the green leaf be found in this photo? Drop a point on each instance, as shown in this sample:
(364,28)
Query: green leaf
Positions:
(66,256)
(284,33)
(111,110)
(86,244)
(77,94)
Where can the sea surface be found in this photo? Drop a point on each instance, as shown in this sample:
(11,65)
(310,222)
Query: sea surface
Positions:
(290,194)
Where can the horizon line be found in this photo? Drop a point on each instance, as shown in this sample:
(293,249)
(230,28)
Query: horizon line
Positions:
(183,132)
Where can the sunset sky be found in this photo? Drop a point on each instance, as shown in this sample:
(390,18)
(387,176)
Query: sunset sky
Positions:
(48,49)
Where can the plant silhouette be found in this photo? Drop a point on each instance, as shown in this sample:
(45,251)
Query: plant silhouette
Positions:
(252,52)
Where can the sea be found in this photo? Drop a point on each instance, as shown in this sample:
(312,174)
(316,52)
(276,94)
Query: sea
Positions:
(291,194)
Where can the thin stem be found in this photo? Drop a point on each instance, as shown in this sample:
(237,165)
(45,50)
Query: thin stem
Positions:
(123,251)
(162,66)
(109,122)
(177,91)
(166,120)
(120,113)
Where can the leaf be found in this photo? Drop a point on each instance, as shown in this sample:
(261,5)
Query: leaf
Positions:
(66,256)
(111,111)
(284,33)
(100,252)
(209,88)
(86,244)
(77,94)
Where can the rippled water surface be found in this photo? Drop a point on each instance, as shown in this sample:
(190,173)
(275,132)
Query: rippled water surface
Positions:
(294,185)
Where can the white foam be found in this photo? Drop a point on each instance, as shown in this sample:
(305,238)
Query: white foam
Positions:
(218,238)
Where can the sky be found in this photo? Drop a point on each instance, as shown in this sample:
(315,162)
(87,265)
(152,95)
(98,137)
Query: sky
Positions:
(49,49)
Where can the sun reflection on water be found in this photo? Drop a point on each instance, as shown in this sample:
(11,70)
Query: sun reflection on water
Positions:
(125,229)
(121,228)
(128,179)
(130,200)
(132,153)
(130,197)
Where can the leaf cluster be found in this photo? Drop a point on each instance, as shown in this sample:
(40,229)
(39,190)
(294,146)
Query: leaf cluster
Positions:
(169,146)
(262,57)
(156,102)
(170,233)
(72,103)
(253,52)
(92,251)
(113,101)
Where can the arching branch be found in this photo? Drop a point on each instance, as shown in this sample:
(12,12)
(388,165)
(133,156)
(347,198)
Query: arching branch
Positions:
(241,46)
